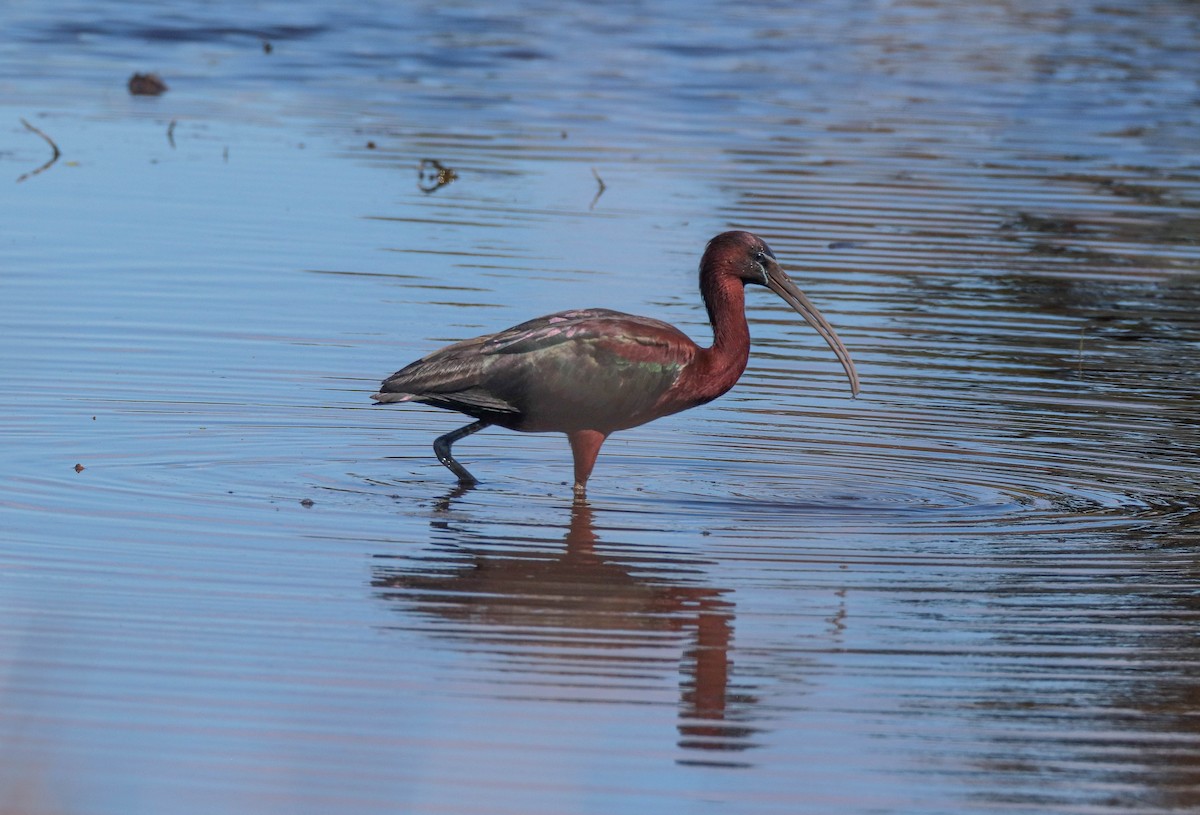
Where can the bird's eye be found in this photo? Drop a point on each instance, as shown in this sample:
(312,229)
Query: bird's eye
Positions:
(760,257)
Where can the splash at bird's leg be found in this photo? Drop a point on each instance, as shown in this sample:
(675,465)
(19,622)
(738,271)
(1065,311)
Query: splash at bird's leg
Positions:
(585,446)
(441,448)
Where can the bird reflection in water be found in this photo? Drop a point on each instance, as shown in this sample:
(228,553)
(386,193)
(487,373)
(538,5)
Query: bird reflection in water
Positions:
(573,612)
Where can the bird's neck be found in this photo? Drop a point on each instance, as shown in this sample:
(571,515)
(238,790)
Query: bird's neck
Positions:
(723,363)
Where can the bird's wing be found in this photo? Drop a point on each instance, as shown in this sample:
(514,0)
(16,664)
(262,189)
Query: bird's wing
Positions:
(549,330)
(450,377)
(578,325)
(554,359)
(602,370)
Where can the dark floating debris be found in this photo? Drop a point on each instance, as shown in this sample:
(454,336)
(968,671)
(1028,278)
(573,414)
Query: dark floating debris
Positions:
(147,85)
(600,191)
(79,468)
(434,175)
(171,133)
(53,147)
(370,145)
(306,502)
(267,47)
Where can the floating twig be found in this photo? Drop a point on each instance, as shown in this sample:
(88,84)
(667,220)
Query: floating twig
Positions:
(599,191)
(171,134)
(53,147)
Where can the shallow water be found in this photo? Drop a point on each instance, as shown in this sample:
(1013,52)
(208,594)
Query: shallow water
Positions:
(973,588)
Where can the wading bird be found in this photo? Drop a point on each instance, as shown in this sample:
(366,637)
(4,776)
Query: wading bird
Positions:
(590,372)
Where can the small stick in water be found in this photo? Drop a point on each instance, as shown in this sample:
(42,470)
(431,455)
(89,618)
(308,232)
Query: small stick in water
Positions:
(53,147)
(600,191)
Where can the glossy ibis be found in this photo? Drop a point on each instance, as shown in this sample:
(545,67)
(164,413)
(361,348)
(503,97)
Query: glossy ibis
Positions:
(590,372)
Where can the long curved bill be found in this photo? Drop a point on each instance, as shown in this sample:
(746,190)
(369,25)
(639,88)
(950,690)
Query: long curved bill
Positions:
(781,284)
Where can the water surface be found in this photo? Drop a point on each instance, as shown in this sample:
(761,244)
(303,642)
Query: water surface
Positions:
(229,583)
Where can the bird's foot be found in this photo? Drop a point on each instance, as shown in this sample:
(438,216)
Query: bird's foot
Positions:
(465,478)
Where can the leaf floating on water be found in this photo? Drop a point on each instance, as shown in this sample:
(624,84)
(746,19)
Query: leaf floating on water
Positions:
(147,85)
(79,468)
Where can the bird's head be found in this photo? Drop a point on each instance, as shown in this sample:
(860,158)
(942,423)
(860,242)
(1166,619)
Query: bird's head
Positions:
(747,257)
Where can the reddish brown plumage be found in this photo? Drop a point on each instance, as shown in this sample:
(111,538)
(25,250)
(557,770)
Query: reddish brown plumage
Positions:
(590,372)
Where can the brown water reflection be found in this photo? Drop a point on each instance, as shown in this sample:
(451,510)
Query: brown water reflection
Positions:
(584,617)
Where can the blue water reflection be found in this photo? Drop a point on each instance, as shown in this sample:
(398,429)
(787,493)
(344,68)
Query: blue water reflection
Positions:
(969,590)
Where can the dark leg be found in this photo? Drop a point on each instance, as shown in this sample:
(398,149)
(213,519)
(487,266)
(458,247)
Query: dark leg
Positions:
(441,447)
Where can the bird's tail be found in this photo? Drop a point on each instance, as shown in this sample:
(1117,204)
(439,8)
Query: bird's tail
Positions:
(385,398)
